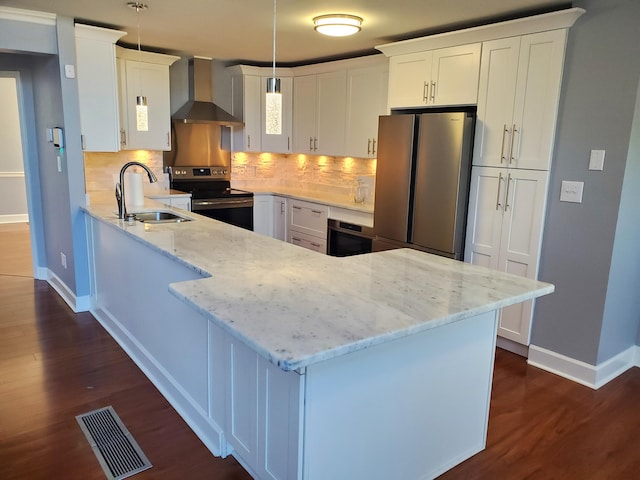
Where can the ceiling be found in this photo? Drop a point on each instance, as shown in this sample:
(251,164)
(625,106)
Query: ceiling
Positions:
(236,31)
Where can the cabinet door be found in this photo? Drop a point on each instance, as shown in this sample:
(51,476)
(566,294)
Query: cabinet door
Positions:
(152,81)
(331,112)
(367,100)
(280,218)
(484,222)
(409,79)
(304,114)
(536,99)
(496,95)
(246,106)
(454,75)
(262,214)
(520,244)
(98,88)
(309,242)
(309,218)
(278,143)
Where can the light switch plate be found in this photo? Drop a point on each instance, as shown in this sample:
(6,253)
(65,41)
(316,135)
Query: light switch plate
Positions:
(596,160)
(571,192)
(70,71)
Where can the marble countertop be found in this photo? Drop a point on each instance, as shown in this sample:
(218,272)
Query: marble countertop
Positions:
(296,307)
(326,198)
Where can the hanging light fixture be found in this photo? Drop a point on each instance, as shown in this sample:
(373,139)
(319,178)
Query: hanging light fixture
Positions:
(337,24)
(142,112)
(273,102)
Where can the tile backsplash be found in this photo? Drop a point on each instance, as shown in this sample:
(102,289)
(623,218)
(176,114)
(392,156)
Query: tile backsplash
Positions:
(101,169)
(305,172)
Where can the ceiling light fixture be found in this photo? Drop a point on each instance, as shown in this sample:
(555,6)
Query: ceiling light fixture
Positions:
(337,24)
(142,112)
(273,100)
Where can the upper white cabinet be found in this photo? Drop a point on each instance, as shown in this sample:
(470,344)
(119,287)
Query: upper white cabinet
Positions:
(504,232)
(319,112)
(520,79)
(98,87)
(145,74)
(366,94)
(446,76)
(249,85)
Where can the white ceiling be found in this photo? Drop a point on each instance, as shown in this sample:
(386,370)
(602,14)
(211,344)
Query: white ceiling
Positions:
(242,30)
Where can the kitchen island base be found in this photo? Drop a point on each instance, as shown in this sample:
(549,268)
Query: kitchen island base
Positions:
(410,407)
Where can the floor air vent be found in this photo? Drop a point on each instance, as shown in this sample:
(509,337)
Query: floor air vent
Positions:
(118,453)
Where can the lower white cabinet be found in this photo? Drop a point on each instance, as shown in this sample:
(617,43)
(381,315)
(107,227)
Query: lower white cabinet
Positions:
(307,225)
(263,214)
(262,421)
(504,232)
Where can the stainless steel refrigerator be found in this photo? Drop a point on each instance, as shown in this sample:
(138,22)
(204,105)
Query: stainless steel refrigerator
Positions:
(422,181)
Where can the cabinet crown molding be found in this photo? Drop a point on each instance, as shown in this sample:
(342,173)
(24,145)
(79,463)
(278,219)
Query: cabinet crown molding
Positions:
(142,56)
(30,16)
(511,28)
(98,33)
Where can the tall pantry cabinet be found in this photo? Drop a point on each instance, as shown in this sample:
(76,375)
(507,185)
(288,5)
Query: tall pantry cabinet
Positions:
(519,89)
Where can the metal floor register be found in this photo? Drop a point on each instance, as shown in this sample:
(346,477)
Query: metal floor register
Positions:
(119,454)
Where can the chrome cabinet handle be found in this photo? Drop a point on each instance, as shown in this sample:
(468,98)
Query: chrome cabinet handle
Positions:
(168,139)
(513,136)
(368,146)
(498,194)
(433,91)
(281,208)
(296,207)
(82,142)
(288,143)
(506,197)
(315,143)
(504,132)
(425,92)
(248,141)
(317,212)
(295,239)
(123,137)
(373,150)
(317,245)
(311,144)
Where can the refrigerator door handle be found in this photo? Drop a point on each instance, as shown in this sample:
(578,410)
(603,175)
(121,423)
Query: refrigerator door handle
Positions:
(498,194)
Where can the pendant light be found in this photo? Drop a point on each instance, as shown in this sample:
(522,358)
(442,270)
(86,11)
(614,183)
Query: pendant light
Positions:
(142,112)
(273,101)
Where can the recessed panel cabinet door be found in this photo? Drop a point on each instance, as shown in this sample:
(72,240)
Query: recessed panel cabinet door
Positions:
(454,75)
(332,112)
(304,114)
(409,79)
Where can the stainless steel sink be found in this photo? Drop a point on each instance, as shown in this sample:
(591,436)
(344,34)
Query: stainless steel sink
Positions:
(160,217)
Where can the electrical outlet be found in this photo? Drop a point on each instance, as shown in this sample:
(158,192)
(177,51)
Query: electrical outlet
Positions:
(63,260)
(571,192)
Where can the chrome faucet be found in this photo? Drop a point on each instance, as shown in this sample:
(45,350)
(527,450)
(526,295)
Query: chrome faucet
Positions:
(122,207)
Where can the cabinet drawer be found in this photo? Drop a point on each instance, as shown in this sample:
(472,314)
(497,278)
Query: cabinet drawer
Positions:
(308,241)
(309,218)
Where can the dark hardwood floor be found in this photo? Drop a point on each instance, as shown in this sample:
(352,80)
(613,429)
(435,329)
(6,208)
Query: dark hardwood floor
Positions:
(55,364)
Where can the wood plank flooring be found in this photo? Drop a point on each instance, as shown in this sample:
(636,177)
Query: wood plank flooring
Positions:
(55,364)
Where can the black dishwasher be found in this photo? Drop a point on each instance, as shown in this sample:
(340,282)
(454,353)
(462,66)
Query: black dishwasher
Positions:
(344,239)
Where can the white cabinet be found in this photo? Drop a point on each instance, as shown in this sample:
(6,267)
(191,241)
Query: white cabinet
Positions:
(280,218)
(319,113)
(144,74)
(446,76)
(366,101)
(307,225)
(249,86)
(504,232)
(263,215)
(520,79)
(262,413)
(98,87)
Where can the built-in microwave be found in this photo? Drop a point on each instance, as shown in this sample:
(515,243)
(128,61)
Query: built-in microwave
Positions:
(344,239)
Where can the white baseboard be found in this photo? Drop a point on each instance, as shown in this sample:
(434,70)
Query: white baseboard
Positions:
(513,347)
(77,304)
(581,372)
(16,218)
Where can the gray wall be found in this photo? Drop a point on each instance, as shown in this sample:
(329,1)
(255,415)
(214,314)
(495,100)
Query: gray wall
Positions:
(598,101)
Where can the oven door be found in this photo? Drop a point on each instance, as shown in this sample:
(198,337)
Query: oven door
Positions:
(236,211)
(345,239)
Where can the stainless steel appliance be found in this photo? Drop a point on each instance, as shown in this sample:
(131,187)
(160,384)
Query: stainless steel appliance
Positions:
(212,195)
(344,239)
(422,181)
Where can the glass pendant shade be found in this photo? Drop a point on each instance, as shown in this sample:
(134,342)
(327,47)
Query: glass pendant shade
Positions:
(142,114)
(273,107)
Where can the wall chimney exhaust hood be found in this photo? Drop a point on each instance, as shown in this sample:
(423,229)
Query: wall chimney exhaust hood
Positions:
(200,108)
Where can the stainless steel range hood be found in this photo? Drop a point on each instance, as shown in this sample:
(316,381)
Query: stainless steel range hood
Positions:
(200,130)
(200,107)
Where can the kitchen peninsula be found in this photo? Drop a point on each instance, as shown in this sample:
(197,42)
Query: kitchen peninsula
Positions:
(305,366)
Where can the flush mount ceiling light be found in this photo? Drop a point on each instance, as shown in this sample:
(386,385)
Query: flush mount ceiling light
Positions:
(337,24)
